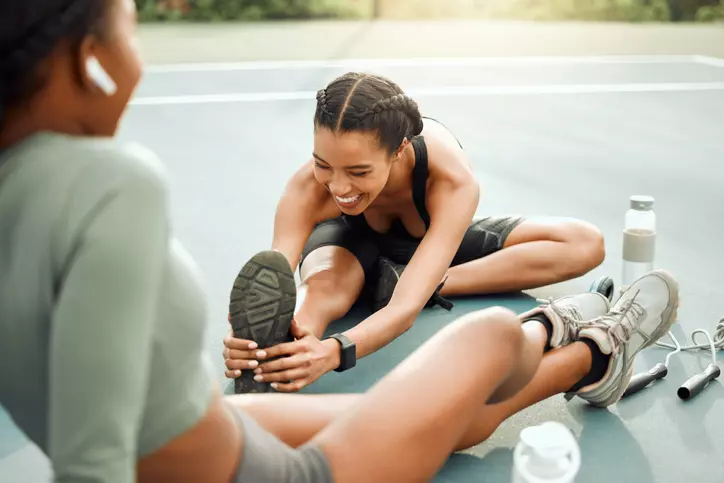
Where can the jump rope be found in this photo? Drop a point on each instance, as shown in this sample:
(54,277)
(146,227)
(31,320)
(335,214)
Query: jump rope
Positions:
(695,384)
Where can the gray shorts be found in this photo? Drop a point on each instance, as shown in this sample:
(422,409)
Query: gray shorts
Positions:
(266,459)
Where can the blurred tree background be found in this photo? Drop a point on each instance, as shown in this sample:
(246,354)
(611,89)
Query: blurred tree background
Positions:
(599,10)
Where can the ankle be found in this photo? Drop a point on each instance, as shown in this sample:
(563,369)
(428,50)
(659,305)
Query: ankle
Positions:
(598,368)
(543,320)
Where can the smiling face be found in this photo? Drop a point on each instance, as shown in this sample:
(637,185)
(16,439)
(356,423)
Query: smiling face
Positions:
(361,125)
(352,166)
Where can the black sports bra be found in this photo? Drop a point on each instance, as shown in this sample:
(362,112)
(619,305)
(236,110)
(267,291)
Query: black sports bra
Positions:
(419,182)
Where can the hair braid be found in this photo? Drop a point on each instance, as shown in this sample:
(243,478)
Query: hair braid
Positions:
(402,103)
(322,109)
(368,103)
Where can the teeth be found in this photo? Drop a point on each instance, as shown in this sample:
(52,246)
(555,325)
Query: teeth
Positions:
(348,200)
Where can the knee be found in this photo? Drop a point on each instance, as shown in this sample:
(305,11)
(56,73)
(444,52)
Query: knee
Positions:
(498,326)
(332,284)
(587,248)
(332,271)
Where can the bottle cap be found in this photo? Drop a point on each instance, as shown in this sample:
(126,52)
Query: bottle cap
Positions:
(550,440)
(548,452)
(642,202)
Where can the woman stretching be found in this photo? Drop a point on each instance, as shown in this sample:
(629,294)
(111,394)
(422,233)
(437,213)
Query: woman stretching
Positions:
(97,299)
(385,208)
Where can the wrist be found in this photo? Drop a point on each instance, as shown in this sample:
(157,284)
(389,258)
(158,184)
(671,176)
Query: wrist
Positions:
(334,353)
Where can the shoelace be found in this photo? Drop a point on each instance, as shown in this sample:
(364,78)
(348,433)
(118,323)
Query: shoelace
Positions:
(570,314)
(438,299)
(621,323)
(616,323)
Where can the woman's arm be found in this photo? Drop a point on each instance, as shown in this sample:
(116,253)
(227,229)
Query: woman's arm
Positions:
(103,322)
(452,198)
(452,202)
(303,204)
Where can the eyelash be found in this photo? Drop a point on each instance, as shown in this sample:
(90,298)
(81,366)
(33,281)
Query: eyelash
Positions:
(357,175)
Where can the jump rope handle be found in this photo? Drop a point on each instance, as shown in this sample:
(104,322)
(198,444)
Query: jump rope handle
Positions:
(643,379)
(694,386)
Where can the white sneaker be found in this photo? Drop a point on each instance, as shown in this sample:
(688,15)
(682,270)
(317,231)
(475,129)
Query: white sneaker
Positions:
(643,314)
(568,315)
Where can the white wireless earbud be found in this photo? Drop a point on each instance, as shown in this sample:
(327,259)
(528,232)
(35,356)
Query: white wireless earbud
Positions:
(100,77)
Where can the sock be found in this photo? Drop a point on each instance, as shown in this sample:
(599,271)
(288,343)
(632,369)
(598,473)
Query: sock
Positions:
(549,328)
(599,365)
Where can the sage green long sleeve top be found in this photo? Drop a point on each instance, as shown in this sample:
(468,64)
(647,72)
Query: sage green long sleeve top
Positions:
(102,313)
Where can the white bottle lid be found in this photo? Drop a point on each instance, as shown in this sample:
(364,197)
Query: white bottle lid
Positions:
(548,453)
(641,202)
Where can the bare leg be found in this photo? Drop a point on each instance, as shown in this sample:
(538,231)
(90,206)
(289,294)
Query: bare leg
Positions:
(424,406)
(296,419)
(535,254)
(427,405)
(332,280)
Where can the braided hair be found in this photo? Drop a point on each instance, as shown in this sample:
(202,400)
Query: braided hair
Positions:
(30,30)
(371,103)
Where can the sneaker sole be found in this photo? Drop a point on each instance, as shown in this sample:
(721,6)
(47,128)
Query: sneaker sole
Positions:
(261,306)
(668,317)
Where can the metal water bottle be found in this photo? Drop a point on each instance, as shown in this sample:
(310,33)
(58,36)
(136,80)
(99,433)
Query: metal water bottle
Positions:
(639,239)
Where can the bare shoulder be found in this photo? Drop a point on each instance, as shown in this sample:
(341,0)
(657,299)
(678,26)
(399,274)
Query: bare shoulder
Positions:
(447,160)
(304,191)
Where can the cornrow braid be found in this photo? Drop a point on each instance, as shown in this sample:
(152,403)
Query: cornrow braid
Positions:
(22,52)
(322,111)
(368,103)
(402,103)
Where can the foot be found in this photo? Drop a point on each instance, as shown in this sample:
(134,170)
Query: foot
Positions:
(261,306)
(568,313)
(643,314)
(388,274)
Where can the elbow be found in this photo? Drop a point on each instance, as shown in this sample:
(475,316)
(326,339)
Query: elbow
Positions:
(404,317)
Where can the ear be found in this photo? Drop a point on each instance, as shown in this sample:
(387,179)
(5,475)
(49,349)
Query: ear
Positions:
(402,147)
(92,76)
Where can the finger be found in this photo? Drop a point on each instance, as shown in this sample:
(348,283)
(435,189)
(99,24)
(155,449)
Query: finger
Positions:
(284,376)
(295,386)
(285,349)
(235,354)
(239,344)
(285,363)
(233,374)
(239,364)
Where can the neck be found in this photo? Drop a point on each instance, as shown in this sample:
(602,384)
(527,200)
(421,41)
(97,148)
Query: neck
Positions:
(23,122)
(399,182)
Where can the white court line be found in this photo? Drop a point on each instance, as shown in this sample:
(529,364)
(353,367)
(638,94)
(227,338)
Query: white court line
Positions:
(417,62)
(452,91)
(707,60)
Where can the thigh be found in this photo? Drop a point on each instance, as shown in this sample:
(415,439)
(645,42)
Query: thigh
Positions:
(338,232)
(486,236)
(405,427)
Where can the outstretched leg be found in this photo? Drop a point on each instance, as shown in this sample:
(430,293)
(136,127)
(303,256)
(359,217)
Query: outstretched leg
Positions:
(332,279)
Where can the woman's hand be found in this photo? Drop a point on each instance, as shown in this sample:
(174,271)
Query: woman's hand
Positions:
(299,363)
(239,354)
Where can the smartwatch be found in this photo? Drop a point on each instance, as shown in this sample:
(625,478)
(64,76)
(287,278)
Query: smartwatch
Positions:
(348,354)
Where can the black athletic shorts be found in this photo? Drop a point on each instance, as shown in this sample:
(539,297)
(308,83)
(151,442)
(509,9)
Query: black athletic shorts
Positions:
(484,237)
